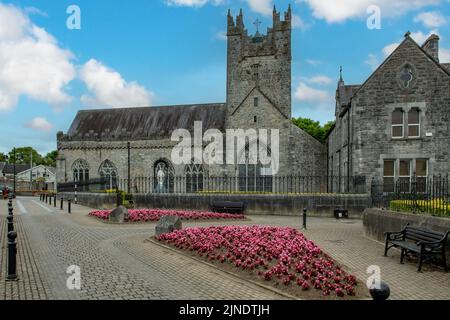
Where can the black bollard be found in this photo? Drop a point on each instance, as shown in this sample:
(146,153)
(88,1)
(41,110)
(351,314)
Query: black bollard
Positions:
(304,219)
(62,203)
(10,223)
(380,293)
(54,202)
(10,210)
(12,252)
(45,198)
(50,200)
(69,208)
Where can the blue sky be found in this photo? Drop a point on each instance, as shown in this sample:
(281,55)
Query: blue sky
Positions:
(163,52)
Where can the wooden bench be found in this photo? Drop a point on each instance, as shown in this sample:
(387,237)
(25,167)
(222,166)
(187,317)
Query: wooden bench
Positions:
(228,207)
(422,242)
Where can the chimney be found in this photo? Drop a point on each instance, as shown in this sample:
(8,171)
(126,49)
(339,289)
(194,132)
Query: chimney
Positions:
(431,46)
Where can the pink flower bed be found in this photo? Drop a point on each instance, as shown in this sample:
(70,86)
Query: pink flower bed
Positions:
(273,252)
(146,215)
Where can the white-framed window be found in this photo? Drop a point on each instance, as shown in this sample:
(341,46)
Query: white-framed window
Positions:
(421,174)
(414,123)
(405,175)
(389,175)
(398,123)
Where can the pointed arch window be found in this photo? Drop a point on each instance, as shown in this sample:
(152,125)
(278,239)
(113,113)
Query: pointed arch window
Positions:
(80,169)
(108,175)
(194,177)
(252,175)
(163,177)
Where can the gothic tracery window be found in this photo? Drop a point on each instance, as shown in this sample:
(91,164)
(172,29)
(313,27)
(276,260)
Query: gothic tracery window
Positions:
(194,177)
(80,169)
(108,175)
(406,76)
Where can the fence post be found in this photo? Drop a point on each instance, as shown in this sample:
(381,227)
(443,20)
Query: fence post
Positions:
(12,252)
(304,219)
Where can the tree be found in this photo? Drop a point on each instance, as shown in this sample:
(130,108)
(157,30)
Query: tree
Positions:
(25,153)
(314,128)
(2,157)
(50,159)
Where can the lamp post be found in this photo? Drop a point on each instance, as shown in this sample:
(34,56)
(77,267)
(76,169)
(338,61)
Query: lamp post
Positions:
(20,157)
(129,167)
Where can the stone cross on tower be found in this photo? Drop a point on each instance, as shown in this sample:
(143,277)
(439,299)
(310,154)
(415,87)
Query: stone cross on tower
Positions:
(257,23)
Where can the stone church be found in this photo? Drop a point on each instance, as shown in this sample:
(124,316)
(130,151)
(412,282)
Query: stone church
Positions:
(135,143)
(396,125)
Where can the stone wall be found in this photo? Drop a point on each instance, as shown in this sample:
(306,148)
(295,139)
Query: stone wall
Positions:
(287,205)
(92,200)
(377,222)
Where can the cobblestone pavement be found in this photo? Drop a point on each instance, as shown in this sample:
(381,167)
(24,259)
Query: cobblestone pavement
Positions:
(116,263)
(109,270)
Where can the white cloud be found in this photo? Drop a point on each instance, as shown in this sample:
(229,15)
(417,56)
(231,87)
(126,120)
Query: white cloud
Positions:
(39,124)
(305,93)
(263,7)
(31,62)
(320,80)
(110,89)
(313,62)
(221,35)
(372,61)
(340,10)
(444,55)
(298,23)
(191,3)
(431,19)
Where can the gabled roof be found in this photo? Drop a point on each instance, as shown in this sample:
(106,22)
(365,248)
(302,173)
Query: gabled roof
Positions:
(52,170)
(345,93)
(264,95)
(407,38)
(146,123)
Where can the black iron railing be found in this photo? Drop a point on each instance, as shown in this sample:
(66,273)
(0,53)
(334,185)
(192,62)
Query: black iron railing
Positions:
(225,185)
(415,194)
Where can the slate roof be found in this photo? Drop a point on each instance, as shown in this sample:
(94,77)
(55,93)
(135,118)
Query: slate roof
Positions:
(345,93)
(9,168)
(145,123)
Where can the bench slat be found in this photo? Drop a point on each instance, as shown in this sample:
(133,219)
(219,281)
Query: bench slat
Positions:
(430,233)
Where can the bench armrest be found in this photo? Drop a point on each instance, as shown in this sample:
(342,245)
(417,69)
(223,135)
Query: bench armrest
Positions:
(431,243)
(394,235)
